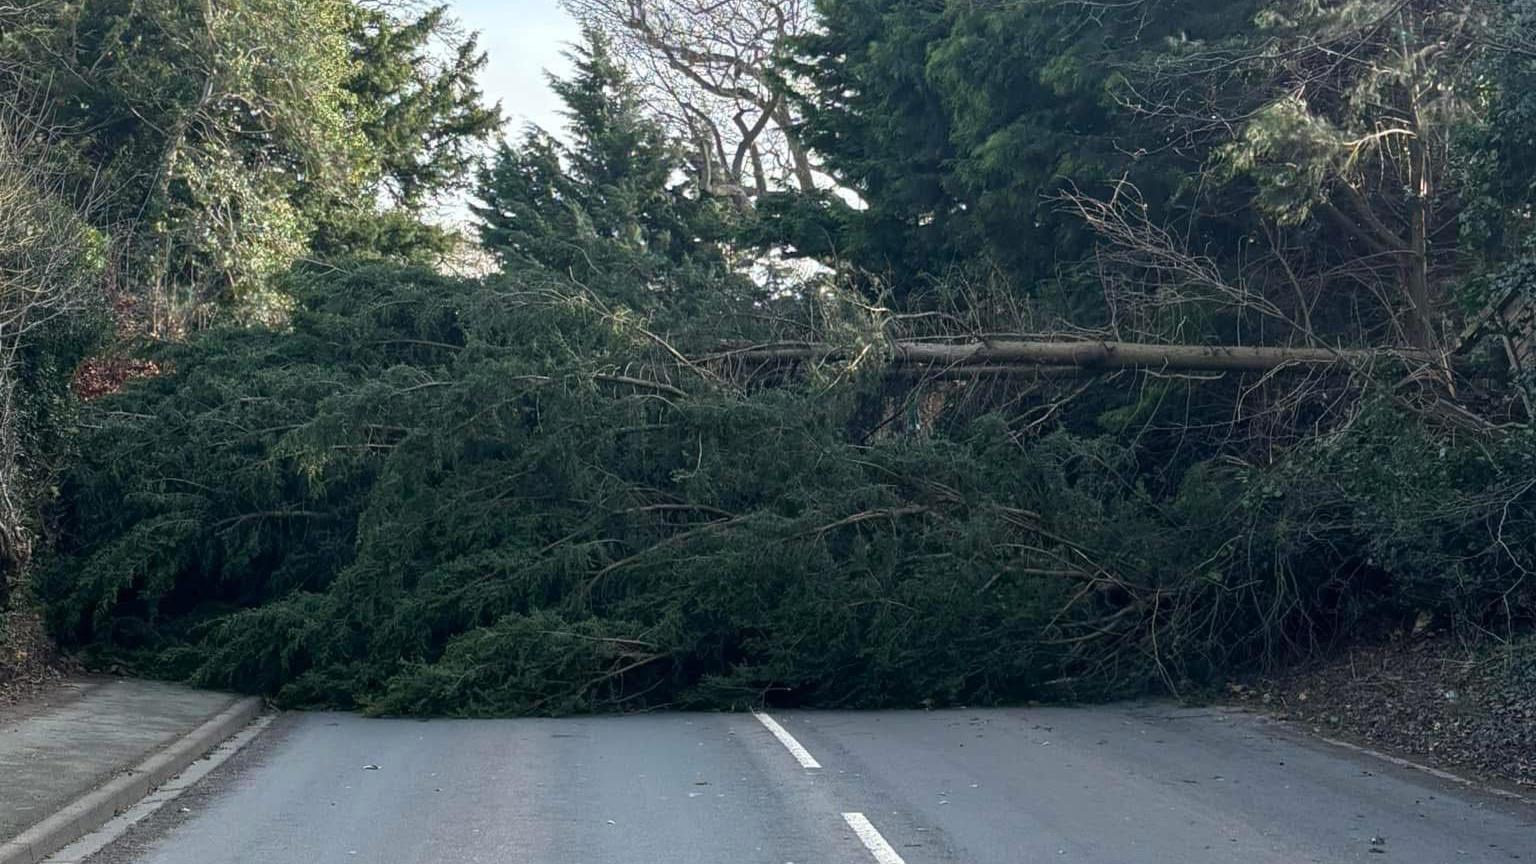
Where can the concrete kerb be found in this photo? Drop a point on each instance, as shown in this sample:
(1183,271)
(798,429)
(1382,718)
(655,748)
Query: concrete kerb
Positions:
(95,808)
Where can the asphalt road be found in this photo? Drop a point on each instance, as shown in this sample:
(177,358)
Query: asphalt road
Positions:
(1121,785)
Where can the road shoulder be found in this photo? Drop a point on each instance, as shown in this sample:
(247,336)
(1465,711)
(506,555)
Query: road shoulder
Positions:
(79,754)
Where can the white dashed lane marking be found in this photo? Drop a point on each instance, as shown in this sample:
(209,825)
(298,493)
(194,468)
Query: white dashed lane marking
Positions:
(872,839)
(801,755)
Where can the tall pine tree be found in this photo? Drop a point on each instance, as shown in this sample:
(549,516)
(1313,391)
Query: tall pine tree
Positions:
(611,204)
(424,117)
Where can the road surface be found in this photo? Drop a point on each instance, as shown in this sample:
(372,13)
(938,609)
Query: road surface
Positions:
(1119,785)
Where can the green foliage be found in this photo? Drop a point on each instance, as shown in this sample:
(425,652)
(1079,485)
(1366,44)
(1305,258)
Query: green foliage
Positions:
(424,119)
(614,208)
(1495,156)
(171,93)
(1290,154)
(51,266)
(437,496)
(231,138)
(882,130)
(958,123)
(499,519)
(1425,522)
(425,494)
(424,115)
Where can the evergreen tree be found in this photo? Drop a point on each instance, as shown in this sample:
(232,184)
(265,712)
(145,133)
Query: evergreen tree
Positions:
(232,138)
(554,489)
(424,119)
(426,114)
(958,123)
(613,199)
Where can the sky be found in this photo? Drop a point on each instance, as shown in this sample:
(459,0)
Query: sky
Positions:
(522,38)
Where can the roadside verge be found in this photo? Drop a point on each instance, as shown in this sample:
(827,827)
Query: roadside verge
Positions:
(96,807)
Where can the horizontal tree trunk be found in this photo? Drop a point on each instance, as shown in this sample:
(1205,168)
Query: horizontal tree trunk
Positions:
(1099,355)
(994,370)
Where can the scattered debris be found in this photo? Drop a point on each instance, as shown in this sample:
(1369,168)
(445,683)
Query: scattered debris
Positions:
(1432,697)
(28,663)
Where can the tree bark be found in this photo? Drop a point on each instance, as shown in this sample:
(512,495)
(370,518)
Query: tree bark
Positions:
(1007,355)
(802,161)
(1416,276)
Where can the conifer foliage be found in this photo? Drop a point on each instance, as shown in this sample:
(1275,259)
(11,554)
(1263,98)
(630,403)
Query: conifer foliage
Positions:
(615,207)
(562,488)
(445,496)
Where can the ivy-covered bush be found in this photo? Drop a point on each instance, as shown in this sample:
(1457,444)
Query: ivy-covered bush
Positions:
(51,315)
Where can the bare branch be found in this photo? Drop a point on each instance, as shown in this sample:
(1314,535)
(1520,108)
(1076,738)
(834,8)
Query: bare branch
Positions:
(706,68)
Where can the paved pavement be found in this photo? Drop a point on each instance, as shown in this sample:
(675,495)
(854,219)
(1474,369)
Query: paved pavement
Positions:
(1117,785)
(84,732)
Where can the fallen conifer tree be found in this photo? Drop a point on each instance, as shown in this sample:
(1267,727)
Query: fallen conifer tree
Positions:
(440,496)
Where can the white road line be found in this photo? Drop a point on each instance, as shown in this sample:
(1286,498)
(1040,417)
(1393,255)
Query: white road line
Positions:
(1433,772)
(801,755)
(875,843)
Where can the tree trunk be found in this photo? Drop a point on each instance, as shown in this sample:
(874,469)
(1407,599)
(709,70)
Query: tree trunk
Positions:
(803,173)
(1010,354)
(1416,279)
